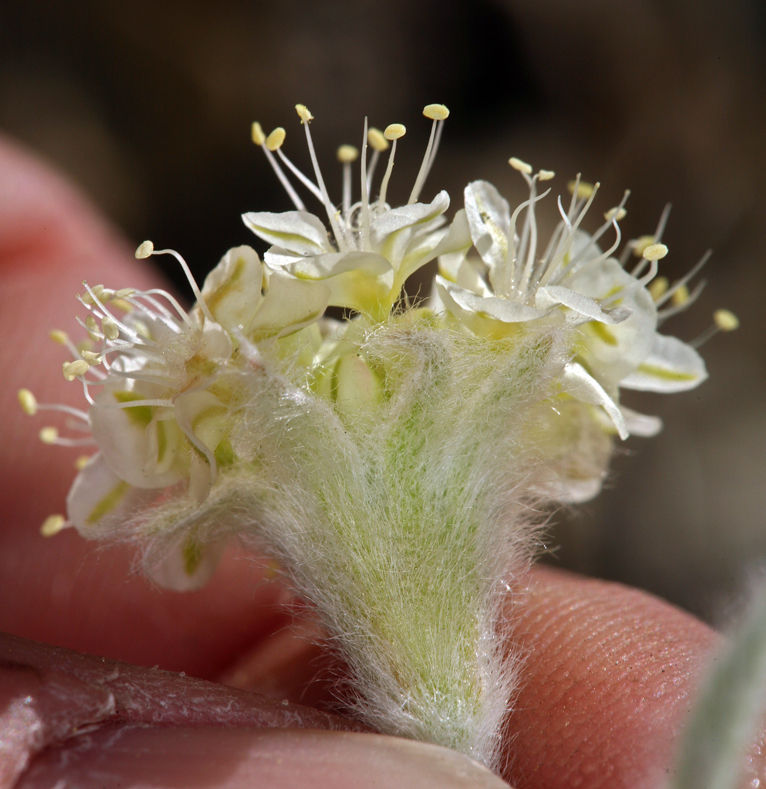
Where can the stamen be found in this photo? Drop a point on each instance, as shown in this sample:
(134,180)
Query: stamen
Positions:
(615,214)
(378,143)
(306,116)
(658,288)
(195,288)
(723,320)
(438,113)
(27,401)
(259,138)
(347,155)
(546,175)
(655,252)
(365,185)
(49,435)
(275,140)
(257,135)
(393,132)
(145,250)
(81,462)
(663,221)
(53,524)
(681,283)
(75,369)
(680,296)
(581,190)
(110,329)
(520,165)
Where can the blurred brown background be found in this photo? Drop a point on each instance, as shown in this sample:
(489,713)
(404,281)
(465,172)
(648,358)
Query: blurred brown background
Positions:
(148,106)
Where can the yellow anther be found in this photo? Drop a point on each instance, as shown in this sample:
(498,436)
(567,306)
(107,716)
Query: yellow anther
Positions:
(303,113)
(92,326)
(53,524)
(90,296)
(59,336)
(110,329)
(658,288)
(584,189)
(680,296)
(348,154)
(615,214)
(72,369)
(144,250)
(725,320)
(376,139)
(520,165)
(394,131)
(655,252)
(28,402)
(640,244)
(49,435)
(256,132)
(545,175)
(276,138)
(436,112)
(121,304)
(91,357)
(124,293)
(81,462)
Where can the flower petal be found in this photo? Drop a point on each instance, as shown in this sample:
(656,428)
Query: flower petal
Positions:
(356,280)
(99,499)
(187,565)
(670,366)
(232,290)
(392,232)
(299,232)
(139,447)
(289,305)
(641,424)
(579,383)
(554,295)
(489,218)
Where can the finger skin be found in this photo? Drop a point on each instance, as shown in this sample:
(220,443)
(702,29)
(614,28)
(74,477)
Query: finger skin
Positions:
(610,676)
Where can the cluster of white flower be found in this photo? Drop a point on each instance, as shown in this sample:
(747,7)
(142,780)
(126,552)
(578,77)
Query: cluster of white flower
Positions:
(187,408)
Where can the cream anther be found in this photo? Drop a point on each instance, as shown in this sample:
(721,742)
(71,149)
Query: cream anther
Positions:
(49,435)
(655,252)
(658,288)
(394,131)
(91,357)
(377,140)
(584,189)
(436,112)
(81,462)
(680,296)
(53,524)
(615,214)
(124,293)
(121,304)
(72,369)
(60,337)
(520,165)
(257,134)
(641,243)
(303,113)
(110,329)
(347,154)
(96,291)
(725,320)
(276,138)
(28,402)
(144,250)
(545,175)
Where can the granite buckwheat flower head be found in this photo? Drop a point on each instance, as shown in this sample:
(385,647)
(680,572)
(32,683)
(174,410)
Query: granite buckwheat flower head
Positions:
(391,463)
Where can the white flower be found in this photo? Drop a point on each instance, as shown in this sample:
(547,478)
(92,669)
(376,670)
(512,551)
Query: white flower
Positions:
(372,248)
(574,283)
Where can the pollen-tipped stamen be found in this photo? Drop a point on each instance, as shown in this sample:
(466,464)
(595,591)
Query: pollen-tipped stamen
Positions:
(438,113)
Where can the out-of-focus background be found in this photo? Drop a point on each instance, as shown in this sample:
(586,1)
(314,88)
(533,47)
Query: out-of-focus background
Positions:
(148,104)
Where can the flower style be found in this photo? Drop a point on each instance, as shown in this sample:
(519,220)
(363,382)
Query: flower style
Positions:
(372,248)
(611,315)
